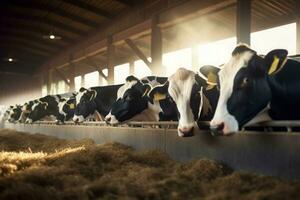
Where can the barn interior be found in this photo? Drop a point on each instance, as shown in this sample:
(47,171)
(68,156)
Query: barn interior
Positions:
(106,36)
(58,46)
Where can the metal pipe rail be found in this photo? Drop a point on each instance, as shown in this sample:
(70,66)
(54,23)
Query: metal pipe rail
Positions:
(289,125)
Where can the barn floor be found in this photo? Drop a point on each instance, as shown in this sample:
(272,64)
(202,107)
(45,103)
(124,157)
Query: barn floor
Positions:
(44,167)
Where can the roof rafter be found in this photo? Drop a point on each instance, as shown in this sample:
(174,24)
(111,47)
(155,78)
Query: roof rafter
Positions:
(55,10)
(83,5)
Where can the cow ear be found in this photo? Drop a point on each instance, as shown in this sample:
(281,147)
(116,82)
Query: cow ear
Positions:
(210,73)
(159,92)
(275,60)
(82,89)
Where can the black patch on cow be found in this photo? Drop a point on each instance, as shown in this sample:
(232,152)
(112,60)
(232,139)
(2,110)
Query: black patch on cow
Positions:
(102,102)
(131,78)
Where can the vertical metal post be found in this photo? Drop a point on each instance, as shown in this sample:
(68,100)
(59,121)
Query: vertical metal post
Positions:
(243,21)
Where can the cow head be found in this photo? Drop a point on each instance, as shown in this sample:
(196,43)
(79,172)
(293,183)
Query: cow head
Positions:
(38,111)
(26,109)
(185,88)
(131,100)
(244,88)
(85,104)
(66,108)
(14,113)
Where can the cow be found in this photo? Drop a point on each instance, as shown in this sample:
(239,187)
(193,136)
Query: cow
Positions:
(4,112)
(14,113)
(66,108)
(25,110)
(194,100)
(45,106)
(94,100)
(133,102)
(254,88)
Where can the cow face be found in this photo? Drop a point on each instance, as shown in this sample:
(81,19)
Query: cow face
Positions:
(184,87)
(39,110)
(244,88)
(14,113)
(66,108)
(85,104)
(131,100)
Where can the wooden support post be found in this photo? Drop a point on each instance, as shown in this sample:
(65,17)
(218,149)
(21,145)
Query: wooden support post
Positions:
(298,35)
(110,60)
(131,67)
(243,21)
(195,58)
(82,81)
(71,78)
(49,81)
(62,76)
(138,52)
(156,48)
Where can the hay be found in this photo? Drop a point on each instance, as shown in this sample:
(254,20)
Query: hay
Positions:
(58,169)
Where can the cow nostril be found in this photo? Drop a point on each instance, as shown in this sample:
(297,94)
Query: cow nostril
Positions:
(186,131)
(217,129)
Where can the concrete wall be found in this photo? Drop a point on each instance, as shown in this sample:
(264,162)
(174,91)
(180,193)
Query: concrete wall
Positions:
(275,154)
(18,89)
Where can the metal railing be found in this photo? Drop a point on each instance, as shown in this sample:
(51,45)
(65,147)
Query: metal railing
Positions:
(286,126)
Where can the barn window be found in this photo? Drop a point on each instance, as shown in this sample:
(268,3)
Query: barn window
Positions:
(216,53)
(281,37)
(44,90)
(141,69)
(61,87)
(91,79)
(77,82)
(121,72)
(53,89)
(176,59)
(103,81)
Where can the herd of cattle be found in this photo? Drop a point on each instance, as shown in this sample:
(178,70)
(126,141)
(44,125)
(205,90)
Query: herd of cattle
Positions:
(250,88)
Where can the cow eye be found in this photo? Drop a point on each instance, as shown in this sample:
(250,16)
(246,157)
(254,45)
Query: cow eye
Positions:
(244,82)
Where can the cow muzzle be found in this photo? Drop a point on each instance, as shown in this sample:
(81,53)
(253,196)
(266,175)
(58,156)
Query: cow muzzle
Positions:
(217,129)
(186,131)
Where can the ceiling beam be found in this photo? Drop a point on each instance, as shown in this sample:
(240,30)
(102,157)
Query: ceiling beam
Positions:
(57,10)
(97,11)
(138,52)
(28,36)
(47,21)
(29,43)
(126,2)
(24,46)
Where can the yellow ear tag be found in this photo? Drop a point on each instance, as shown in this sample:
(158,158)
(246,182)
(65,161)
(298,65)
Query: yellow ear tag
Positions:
(211,79)
(72,106)
(274,65)
(159,96)
(209,87)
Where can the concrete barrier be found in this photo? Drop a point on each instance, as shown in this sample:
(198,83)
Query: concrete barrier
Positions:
(274,154)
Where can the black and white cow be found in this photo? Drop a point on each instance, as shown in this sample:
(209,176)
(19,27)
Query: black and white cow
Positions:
(255,89)
(14,113)
(133,102)
(95,99)
(45,106)
(194,100)
(66,108)
(25,110)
